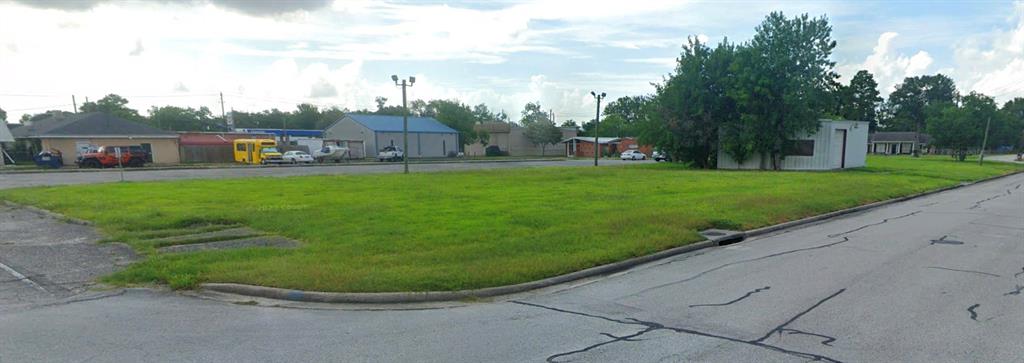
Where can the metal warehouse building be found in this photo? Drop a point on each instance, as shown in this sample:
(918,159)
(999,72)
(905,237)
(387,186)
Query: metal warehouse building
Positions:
(836,145)
(427,136)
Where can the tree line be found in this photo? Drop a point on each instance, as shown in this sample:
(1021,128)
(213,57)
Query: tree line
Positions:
(749,100)
(752,99)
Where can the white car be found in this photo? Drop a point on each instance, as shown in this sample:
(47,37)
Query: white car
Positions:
(391,153)
(633,155)
(296,157)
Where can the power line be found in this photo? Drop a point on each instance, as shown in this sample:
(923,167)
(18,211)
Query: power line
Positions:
(40,108)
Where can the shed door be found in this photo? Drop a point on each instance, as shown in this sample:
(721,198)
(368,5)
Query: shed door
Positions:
(838,154)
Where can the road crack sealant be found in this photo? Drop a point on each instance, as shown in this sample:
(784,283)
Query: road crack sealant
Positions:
(735,300)
(652,326)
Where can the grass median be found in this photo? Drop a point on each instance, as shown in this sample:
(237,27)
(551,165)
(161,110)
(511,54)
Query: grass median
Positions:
(467,229)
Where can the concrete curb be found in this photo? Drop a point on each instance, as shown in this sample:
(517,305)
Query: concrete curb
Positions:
(830,215)
(434,296)
(437,296)
(45,212)
(230,166)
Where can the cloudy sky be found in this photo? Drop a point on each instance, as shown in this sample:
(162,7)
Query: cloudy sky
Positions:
(264,54)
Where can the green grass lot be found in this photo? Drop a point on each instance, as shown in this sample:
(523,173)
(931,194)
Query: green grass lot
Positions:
(462,230)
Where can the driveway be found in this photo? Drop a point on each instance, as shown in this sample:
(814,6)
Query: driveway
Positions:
(113,175)
(1004,157)
(43,260)
(939,278)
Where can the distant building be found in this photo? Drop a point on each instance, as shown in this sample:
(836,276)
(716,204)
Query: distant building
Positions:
(512,139)
(212,147)
(895,143)
(75,134)
(835,145)
(305,140)
(583,146)
(427,136)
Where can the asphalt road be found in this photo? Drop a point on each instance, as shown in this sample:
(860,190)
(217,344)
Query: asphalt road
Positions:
(939,278)
(113,175)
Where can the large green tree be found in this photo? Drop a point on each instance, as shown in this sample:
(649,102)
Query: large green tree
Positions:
(112,104)
(456,115)
(623,116)
(532,112)
(481,114)
(860,99)
(784,83)
(25,117)
(1012,131)
(384,109)
(3,115)
(684,116)
(543,133)
(183,119)
(909,103)
(960,129)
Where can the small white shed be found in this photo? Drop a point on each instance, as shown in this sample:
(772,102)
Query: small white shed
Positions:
(838,144)
(5,136)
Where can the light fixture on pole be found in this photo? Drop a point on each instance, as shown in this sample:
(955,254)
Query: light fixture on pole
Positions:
(405,120)
(597,145)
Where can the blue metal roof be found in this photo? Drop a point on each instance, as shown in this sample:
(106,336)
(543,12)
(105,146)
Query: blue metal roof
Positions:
(291,132)
(387,123)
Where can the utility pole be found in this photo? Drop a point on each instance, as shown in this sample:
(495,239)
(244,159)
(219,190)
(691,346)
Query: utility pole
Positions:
(597,119)
(984,141)
(223,115)
(405,121)
(74,104)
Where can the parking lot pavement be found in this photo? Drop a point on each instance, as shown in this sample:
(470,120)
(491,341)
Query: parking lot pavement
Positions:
(44,260)
(113,175)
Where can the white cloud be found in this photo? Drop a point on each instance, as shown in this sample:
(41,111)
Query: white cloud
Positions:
(888,65)
(667,62)
(993,64)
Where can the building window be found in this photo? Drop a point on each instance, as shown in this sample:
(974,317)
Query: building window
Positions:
(799,148)
(240,147)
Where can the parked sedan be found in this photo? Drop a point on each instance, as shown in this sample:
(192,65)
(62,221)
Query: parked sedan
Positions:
(296,157)
(659,156)
(633,155)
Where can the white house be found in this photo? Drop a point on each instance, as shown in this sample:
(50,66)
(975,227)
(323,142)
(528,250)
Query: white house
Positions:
(895,143)
(838,144)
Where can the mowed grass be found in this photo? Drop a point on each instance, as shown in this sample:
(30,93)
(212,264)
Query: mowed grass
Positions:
(464,230)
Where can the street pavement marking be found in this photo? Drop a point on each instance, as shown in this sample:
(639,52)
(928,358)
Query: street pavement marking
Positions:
(21,277)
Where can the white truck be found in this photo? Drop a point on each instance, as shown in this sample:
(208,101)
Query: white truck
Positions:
(390,153)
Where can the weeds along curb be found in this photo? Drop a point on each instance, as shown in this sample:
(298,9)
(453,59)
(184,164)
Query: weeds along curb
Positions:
(438,296)
(45,212)
(830,215)
(434,296)
(231,166)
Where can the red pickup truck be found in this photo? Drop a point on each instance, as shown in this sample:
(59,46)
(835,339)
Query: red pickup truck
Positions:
(106,157)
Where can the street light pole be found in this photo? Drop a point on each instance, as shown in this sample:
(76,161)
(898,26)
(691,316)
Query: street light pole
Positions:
(405,120)
(597,145)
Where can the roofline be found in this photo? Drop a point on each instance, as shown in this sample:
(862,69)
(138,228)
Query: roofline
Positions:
(175,136)
(454,131)
(418,132)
